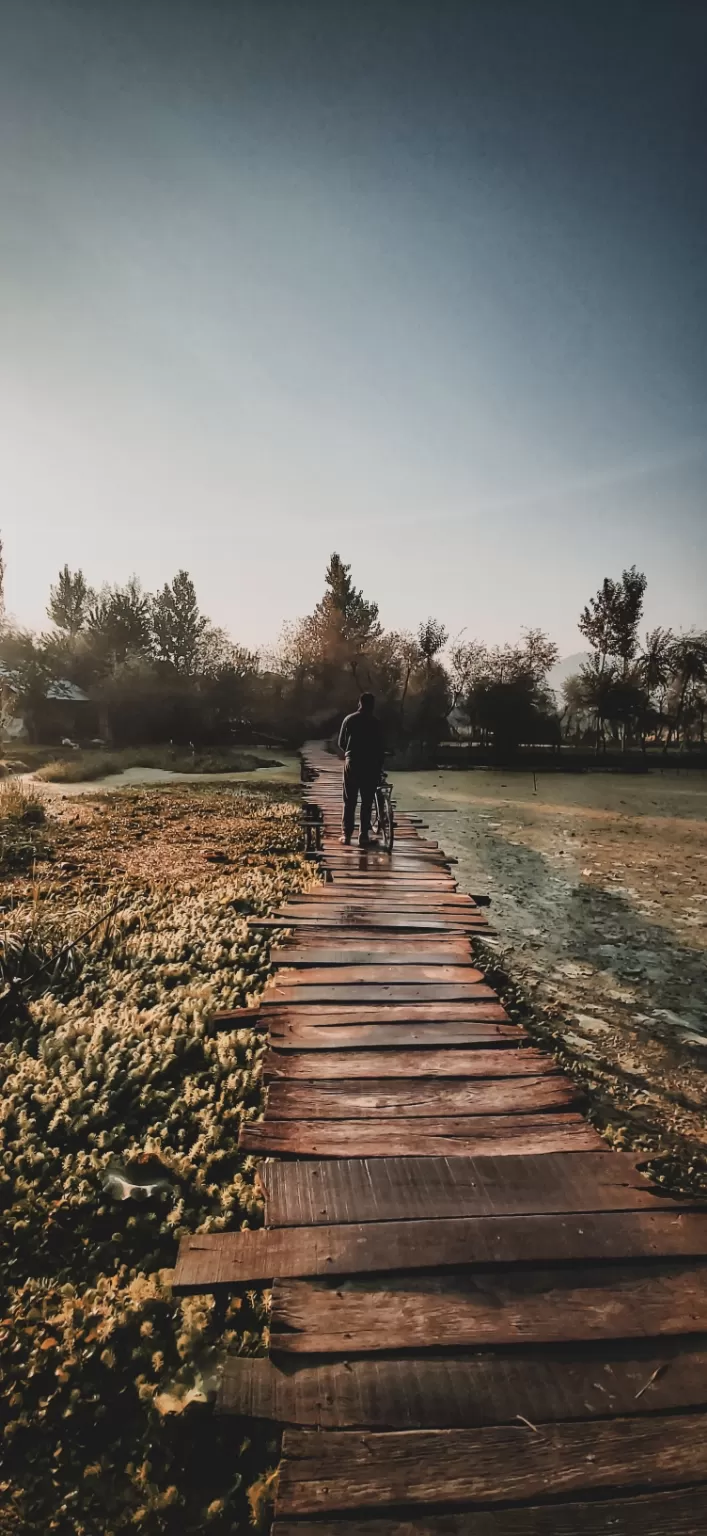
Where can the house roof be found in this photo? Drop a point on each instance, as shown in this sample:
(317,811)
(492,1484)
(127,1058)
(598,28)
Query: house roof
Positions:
(60,688)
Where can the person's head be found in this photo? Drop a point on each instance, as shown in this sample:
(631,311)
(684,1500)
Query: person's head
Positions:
(366,703)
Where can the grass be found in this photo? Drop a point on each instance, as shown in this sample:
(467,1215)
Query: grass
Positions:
(22,819)
(85,767)
(107,1378)
(21,804)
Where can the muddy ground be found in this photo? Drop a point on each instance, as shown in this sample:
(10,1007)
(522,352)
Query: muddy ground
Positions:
(598,885)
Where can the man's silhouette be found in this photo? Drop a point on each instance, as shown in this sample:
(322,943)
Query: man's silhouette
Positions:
(361,741)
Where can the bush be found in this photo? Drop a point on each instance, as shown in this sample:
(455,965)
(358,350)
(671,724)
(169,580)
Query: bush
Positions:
(22,817)
(21,805)
(80,768)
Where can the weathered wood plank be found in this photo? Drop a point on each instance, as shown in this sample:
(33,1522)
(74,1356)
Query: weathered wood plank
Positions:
(350,912)
(447,1062)
(323,1037)
(483,1006)
(680,1513)
(388,972)
(384,897)
(396,921)
(378,992)
(345,1470)
(349,1099)
(464,1136)
(444,1393)
(467,1310)
(421,1188)
(416,881)
(350,952)
(212,1260)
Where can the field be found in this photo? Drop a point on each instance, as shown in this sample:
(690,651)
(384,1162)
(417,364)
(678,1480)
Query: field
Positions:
(110,1077)
(599,898)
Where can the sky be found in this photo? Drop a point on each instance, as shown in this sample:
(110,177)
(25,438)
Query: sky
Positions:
(425,283)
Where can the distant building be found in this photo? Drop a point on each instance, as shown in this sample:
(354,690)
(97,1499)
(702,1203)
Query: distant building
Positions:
(64,710)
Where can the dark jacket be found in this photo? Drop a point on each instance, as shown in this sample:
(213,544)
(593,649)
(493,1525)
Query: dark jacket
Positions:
(361,738)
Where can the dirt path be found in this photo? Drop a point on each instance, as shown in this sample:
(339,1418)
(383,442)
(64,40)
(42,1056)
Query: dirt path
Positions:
(599,891)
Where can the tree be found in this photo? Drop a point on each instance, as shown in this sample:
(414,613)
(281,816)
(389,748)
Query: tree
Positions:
(408,655)
(597,678)
(70,601)
(177,624)
(689,654)
(119,624)
(468,662)
(610,620)
(337,649)
(538,654)
(344,623)
(627,616)
(513,711)
(429,704)
(575,710)
(359,618)
(431,639)
(656,665)
(25,675)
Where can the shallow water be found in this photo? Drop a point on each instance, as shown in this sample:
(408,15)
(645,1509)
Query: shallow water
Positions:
(598,885)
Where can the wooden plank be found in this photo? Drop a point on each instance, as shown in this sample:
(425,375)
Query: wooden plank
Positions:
(379,992)
(349,1099)
(388,972)
(415,883)
(679,1513)
(484,1005)
(395,922)
(213,1260)
(463,1136)
(420,1188)
(388,919)
(464,1309)
(350,952)
(322,1065)
(318,1037)
(334,894)
(445,1393)
(388,897)
(347,1470)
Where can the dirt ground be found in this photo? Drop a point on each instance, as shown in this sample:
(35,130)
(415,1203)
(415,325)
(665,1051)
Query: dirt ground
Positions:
(598,885)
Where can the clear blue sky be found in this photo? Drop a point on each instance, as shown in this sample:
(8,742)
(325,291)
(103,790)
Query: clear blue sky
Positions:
(424,283)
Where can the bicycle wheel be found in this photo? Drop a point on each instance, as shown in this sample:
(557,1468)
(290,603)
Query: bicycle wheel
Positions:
(386,822)
(375,830)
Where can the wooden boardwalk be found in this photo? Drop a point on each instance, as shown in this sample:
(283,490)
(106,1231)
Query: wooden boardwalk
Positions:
(483,1320)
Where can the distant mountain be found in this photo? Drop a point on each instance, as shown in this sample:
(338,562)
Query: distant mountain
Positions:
(564,669)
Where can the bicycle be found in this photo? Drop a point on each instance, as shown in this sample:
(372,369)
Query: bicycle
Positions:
(382,818)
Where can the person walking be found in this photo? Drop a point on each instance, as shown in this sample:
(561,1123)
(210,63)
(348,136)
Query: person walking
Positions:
(361,741)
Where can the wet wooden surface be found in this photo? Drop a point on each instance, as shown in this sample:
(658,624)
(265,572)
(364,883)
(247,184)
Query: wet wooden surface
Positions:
(482,1319)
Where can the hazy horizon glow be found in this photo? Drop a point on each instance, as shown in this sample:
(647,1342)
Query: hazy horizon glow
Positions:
(425,283)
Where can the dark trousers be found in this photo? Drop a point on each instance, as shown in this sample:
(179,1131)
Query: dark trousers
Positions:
(363,782)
